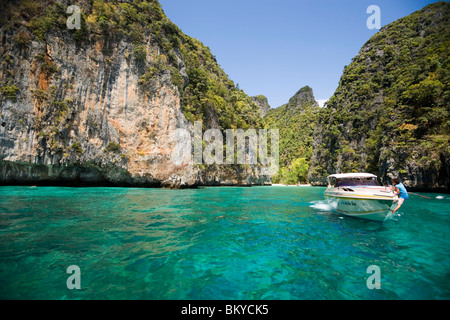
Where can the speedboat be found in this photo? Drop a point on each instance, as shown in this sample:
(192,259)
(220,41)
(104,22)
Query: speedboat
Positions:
(360,195)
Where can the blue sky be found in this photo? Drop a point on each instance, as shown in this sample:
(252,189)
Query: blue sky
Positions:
(275,47)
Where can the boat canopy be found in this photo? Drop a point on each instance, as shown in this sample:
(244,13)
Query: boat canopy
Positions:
(352,179)
(352,175)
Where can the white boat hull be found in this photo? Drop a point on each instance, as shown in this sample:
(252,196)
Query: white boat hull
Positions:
(378,210)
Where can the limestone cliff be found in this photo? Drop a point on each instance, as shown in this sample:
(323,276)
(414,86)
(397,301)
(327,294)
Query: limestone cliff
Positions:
(99,105)
(390,113)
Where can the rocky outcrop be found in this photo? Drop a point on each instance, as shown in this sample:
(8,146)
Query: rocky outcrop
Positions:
(89,113)
(263,104)
(303,98)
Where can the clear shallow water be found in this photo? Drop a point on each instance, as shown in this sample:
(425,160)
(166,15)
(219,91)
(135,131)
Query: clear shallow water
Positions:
(216,243)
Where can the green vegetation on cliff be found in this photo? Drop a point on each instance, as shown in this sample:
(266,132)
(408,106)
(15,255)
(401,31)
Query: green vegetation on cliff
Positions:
(390,113)
(206,92)
(295,120)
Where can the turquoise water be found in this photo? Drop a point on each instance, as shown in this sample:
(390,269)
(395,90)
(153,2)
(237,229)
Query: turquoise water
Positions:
(216,243)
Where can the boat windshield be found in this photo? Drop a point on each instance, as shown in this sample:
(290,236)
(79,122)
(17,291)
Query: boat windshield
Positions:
(354,182)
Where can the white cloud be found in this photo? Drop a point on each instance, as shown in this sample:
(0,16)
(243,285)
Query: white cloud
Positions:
(321,102)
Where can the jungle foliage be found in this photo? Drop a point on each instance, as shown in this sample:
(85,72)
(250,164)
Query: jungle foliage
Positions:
(392,102)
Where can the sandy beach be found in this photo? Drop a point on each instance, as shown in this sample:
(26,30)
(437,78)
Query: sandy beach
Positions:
(290,185)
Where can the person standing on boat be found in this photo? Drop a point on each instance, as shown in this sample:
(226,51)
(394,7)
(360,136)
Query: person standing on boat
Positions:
(399,189)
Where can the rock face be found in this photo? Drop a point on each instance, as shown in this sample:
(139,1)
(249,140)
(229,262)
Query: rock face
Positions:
(389,115)
(91,112)
(263,104)
(76,113)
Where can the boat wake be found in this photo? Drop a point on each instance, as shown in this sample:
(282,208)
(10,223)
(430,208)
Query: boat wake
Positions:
(324,205)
